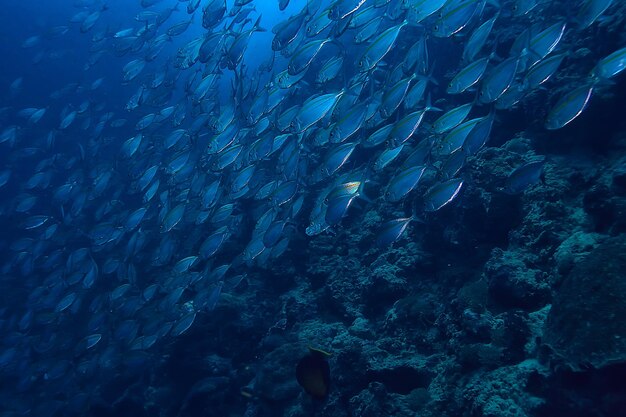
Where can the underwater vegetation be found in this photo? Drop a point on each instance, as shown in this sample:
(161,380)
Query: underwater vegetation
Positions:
(294,208)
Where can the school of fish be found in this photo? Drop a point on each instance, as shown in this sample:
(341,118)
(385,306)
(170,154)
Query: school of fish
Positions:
(121,240)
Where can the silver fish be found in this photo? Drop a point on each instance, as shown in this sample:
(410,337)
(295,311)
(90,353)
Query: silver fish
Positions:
(379,47)
(524,176)
(468,76)
(442,194)
(404,182)
(610,65)
(569,107)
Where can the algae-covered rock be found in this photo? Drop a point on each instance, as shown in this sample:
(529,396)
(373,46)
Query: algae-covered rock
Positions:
(587,322)
(574,249)
(275,377)
(513,284)
(502,392)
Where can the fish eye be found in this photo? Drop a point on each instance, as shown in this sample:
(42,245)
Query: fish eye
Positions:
(436,28)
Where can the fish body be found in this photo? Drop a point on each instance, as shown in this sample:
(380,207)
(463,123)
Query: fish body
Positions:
(304,55)
(337,157)
(569,107)
(329,70)
(418,10)
(542,71)
(368,31)
(391,231)
(452,118)
(337,209)
(173,217)
(511,97)
(544,42)
(454,16)
(363,16)
(349,124)
(415,94)
(404,182)
(340,9)
(378,137)
(524,176)
(213,13)
(285,80)
(387,156)
(478,135)
(419,155)
(214,242)
(393,97)
(590,11)
(179,28)
(442,194)
(523,7)
(314,109)
(416,58)
(610,65)
(498,80)
(406,127)
(453,164)
(468,76)
(133,69)
(286,32)
(456,137)
(379,47)
(478,39)
(318,24)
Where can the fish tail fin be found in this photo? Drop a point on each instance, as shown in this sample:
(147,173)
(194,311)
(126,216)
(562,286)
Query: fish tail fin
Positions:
(429,106)
(229,28)
(438,170)
(257,25)
(529,52)
(307,11)
(364,197)
(413,24)
(414,215)
(429,77)
(431,71)
(364,180)
(342,49)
